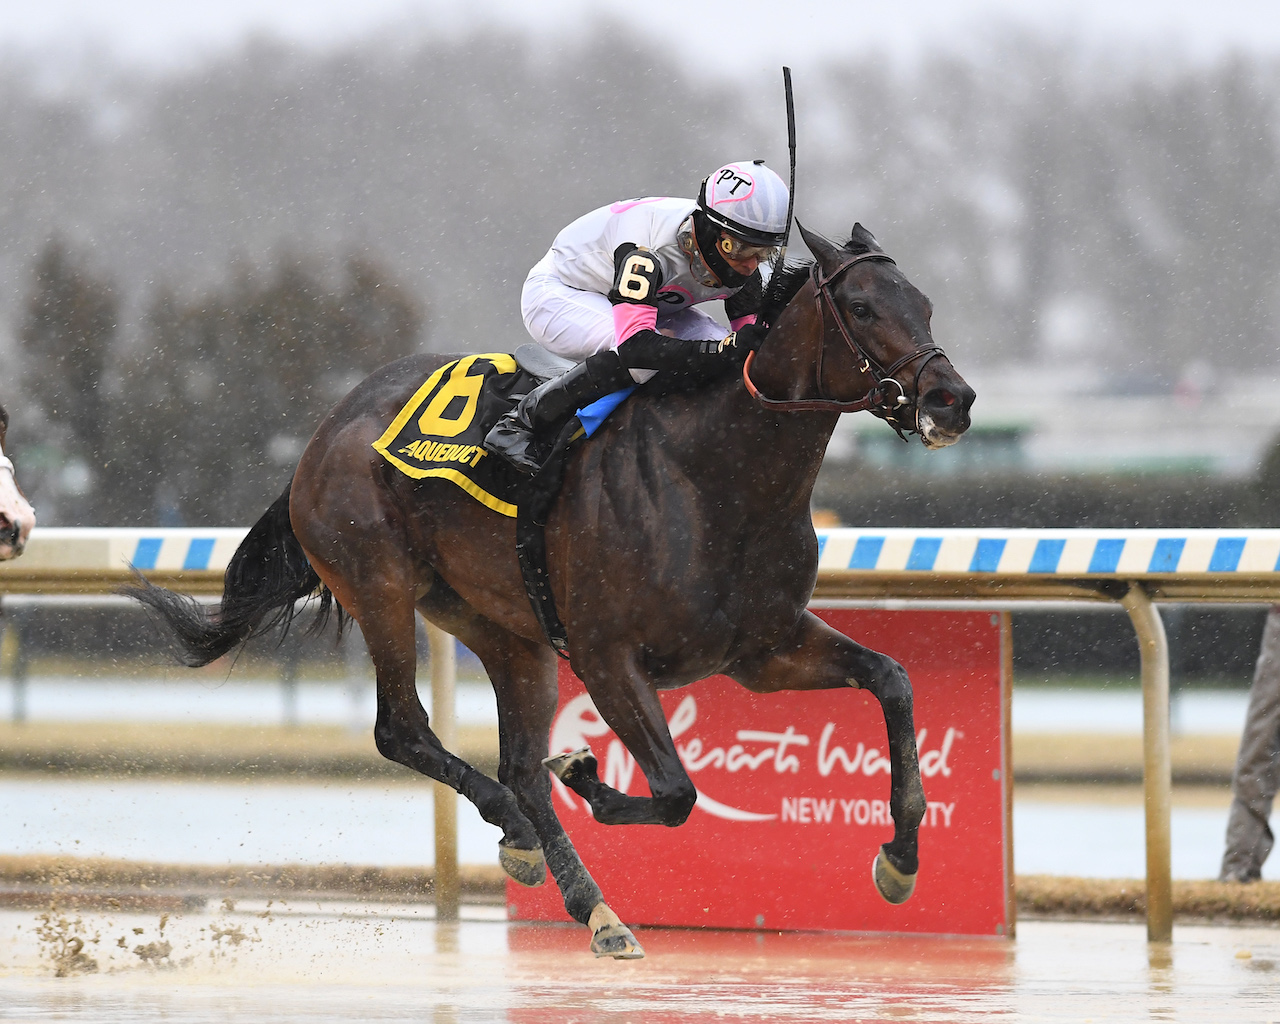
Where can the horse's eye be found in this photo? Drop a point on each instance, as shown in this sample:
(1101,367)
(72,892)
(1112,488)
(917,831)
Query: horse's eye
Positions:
(861,310)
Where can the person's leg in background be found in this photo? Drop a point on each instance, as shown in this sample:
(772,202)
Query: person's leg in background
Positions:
(1257,774)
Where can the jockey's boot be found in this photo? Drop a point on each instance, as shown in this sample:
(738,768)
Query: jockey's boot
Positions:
(522,436)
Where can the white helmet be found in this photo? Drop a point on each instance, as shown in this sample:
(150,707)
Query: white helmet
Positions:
(748,200)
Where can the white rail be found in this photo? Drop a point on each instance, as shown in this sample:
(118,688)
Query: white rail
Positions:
(1000,567)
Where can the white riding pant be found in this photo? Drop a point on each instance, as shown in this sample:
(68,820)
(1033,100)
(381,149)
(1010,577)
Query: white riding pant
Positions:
(575,324)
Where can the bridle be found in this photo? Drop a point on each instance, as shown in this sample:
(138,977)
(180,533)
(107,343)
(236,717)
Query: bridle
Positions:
(879,400)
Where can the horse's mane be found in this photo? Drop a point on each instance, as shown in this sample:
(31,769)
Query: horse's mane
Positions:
(789,279)
(783,285)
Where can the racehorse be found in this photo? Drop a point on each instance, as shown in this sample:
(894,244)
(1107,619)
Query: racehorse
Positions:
(681,546)
(17,517)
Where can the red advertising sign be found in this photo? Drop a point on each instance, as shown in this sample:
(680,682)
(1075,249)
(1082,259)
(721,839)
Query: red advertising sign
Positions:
(793,796)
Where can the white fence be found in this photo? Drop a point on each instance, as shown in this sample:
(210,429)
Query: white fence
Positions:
(996,567)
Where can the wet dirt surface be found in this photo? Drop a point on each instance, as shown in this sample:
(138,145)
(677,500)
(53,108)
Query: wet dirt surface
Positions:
(306,961)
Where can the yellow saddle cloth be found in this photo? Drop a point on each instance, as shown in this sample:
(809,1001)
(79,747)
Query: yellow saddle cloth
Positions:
(440,431)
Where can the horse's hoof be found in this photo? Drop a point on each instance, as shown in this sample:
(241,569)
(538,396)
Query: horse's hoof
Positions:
(891,883)
(528,867)
(610,937)
(565,766)
(616,940)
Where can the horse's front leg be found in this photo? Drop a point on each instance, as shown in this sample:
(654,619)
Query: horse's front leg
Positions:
(816,657)
(627,699)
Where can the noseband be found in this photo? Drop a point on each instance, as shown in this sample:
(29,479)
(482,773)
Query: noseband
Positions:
(880,400)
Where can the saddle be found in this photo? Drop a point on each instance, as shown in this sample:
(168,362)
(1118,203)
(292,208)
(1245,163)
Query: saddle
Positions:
(538,362)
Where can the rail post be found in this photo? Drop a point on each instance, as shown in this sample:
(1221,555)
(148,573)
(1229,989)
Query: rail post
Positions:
(444,671)
(13,664)
(289,685)
(1157,772)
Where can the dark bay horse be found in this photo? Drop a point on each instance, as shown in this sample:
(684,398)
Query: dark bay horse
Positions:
(681,546)
(17,517)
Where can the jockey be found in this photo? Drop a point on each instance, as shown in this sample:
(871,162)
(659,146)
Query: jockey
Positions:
(618,291)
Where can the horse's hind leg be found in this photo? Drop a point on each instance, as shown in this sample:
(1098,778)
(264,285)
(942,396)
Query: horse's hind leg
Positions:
(523,674)
(817,657)
(402,732)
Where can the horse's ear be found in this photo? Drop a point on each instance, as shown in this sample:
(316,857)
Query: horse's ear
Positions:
(825,252)
(860,239)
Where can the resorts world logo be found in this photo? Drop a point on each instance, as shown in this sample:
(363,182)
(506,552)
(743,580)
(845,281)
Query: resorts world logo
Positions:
(765,755)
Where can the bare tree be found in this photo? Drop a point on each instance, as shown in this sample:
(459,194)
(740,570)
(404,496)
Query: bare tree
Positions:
(67,335)
(232,384)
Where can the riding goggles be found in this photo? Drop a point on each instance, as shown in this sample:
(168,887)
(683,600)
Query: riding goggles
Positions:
(733,248)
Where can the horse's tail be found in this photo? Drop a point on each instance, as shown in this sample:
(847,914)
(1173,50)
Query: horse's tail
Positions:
(266,577)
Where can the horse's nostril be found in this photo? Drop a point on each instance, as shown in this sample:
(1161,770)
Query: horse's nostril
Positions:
(947,398)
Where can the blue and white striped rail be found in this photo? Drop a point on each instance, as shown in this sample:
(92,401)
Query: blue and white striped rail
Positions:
(1104,553)
(188,551)
(852,562)
(1183,565)
(95,560)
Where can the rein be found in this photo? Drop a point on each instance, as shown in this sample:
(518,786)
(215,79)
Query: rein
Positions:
(878,400)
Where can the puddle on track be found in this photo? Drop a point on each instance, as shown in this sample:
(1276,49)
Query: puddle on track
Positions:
(314,962)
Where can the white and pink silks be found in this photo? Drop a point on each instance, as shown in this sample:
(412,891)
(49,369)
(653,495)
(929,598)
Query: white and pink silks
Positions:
(17,517)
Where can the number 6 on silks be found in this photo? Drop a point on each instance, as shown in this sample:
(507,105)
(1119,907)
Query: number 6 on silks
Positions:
(637,275)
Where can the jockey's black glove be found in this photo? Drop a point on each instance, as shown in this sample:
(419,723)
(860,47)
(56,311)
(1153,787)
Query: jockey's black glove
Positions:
(749,337)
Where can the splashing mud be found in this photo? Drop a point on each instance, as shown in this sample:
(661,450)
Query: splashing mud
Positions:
(233,935)
(156,953)
(62,941)
(66,942)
